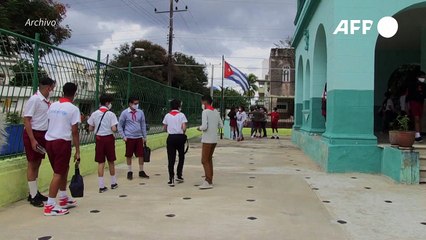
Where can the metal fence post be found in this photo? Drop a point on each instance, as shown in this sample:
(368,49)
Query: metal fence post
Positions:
(129,78)
(98,73)
(36,60)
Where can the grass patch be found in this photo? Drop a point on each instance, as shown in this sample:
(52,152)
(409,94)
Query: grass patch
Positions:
(284,132)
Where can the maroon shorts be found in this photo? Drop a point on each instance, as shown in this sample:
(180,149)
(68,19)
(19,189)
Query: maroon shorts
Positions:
(274,125)
(105,149)
(233,123)
(59,153)
(33,156)
(416,109)
(134,146)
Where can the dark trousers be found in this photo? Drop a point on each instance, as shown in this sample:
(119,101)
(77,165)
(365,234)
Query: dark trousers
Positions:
(176,142)
(263,125)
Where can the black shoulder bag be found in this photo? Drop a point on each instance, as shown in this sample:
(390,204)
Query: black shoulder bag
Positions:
(99,126)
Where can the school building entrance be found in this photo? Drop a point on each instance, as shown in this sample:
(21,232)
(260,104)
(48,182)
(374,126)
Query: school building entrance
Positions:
(356,68)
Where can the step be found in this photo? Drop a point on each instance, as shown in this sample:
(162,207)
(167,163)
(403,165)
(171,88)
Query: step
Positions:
(422,174)
(422,167)
(422,180)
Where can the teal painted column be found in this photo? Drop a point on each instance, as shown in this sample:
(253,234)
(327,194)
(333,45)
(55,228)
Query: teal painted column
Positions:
(298,103)
(306,115)
(423,50)
(306,112)
(298,115)
(316,121)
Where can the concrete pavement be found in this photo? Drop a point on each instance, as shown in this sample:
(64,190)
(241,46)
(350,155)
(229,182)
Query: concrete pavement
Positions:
(268,181)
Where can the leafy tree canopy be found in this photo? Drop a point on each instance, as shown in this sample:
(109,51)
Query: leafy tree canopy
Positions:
(145,53)
(14,16)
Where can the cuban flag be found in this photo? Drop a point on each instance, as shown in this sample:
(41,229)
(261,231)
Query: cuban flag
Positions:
(235,75)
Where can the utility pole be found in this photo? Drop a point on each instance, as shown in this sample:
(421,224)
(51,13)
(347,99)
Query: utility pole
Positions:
(212,83)
(170,53)
(211,87)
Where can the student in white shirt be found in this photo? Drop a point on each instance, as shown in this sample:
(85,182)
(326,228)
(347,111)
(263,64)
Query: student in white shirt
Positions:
(241,122)
(104,123)
(63,118)
(175,125)
(35,121)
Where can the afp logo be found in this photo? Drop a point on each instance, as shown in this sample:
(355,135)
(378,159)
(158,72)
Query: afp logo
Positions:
(387,27)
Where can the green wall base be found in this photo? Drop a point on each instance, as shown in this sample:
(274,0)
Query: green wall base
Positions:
(400,165)
(344,155)
(13,181)
(339,158)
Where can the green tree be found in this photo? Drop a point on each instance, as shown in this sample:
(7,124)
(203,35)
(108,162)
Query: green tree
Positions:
(253,88)
(190,78)
(24,71)
(145,53)
(232,98)
(14,16)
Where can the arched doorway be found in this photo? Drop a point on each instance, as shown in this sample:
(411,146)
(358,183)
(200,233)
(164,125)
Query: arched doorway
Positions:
(399,57)
(319,78)
(299,94)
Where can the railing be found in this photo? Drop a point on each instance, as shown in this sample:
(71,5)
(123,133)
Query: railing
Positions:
(23,61)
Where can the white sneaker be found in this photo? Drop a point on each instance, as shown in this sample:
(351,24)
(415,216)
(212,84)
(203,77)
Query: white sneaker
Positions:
(53,210)
(206,185)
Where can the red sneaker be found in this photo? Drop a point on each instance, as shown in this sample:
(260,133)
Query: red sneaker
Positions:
(67,203)
(52,210)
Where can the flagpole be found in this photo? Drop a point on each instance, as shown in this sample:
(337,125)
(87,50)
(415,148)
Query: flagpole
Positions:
(223,96)
(223,90)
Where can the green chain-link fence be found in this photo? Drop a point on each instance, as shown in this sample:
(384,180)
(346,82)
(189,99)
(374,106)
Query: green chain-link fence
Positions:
(23,61)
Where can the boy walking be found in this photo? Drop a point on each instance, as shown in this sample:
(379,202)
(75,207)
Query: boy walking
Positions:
(63,118)
(35,121)
(175,125)
(275,117)
(132,128)
(211,123)
(104,123)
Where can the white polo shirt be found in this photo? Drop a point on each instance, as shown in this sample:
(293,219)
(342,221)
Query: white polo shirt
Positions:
(107,123)
(62,116)
(174,121)
(36,108)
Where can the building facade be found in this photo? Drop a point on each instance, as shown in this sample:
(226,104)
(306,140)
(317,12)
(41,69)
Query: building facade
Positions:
(281,80)
(356,66)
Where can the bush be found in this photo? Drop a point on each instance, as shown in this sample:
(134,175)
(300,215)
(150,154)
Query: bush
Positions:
(13,118)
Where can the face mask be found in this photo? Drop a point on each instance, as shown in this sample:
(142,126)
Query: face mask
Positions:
(135,106)
(203,106)
(109,106)
(421,80)
(51,93)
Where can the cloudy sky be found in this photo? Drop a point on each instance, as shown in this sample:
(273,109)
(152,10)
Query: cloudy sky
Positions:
(243,31)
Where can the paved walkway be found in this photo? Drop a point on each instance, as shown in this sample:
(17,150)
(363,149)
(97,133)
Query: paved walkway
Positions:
(269,181)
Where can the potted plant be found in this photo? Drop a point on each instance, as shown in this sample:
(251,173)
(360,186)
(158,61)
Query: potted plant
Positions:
(401,135)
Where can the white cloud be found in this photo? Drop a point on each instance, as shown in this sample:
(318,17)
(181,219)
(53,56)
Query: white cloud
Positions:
(122,32)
